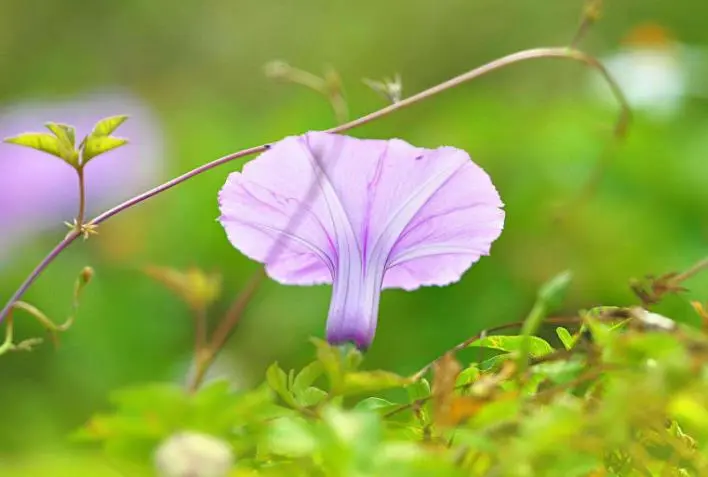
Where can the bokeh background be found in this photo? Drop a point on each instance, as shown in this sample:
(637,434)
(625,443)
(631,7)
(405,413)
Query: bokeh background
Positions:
(539,129)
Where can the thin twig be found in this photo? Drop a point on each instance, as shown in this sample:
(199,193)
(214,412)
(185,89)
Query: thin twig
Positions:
(693,270)
(518,57)
(209,353)
(591,12)
(8,343)
(73,235)
(200,331)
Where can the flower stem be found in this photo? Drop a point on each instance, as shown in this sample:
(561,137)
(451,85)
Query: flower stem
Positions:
(81,216)
(200,331)
(205,358)
(8,344)
(518,57)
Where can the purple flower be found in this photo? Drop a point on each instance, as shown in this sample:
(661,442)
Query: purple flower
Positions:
(363,215)
(39,191)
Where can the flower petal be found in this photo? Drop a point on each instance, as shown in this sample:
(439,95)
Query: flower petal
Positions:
(455,227)
(409,204)
(362,214)
(274,213)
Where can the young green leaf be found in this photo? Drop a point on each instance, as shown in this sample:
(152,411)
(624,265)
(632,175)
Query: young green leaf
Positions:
(106,126)
(559,372)
(44,142)
(537,346)
(307,376)
(97,145)
(310,396)
(419,392)
(565,337)
(63,132)
(419,389)
(376,404)
(468,376)
(331,363)
(495,363)
(278,381)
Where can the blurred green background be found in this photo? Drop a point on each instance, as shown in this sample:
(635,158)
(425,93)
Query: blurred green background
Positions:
(536,128)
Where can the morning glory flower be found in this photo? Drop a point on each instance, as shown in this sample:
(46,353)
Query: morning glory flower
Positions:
(39,192)
(363,215)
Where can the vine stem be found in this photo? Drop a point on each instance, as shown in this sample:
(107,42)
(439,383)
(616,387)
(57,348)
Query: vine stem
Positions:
(518,57)
(697,267)
(205,358)
(82,198)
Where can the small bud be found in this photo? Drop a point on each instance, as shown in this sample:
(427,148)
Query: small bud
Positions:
(593,10)
(191,454)
(391,89)
(197,288)
(86,275)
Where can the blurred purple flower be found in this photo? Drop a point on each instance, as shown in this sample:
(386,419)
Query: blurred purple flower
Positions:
(38,191)
(363,215)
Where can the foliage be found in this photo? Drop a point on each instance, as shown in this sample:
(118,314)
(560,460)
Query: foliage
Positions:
(62,142)
(619,396)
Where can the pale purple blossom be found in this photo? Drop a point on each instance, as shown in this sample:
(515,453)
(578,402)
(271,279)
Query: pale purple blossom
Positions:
(39,192)
(363,215)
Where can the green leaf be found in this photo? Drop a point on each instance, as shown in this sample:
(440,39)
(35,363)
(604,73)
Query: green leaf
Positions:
(331,363)
(96,146)
(63,132)
(376,404)
(537,346)
(418,390)
(106,126)
(494,363)
(310,396)
(370,381)
(553,291)
(307,376)
(278,381)
(559,372)
(44,142)
(565,337)
(468,376)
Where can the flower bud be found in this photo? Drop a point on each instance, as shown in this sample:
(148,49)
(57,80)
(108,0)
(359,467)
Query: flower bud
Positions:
(86,275)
